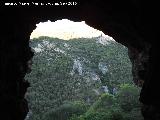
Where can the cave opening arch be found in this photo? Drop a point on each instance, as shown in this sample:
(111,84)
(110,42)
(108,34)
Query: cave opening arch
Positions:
(45,41)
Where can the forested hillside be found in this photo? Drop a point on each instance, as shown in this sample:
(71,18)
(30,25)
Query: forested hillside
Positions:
(81,79)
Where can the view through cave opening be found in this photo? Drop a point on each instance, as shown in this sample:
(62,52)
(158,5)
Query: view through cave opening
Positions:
(79,73)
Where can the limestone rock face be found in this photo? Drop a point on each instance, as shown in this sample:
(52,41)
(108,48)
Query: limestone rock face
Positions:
(130,22)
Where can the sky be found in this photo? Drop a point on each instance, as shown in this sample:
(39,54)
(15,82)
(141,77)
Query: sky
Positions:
(65,29)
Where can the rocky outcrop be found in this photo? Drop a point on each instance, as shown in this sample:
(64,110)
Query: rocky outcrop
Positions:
(130,22)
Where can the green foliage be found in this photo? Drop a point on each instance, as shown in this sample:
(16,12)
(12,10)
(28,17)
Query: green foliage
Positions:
(105,101)
(54,80)
(135,114)
(127,97)
(96,116)
(104,109)
(110,107)
(105,115)
(65,111)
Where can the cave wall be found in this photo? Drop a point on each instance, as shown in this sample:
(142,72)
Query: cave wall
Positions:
(130,23)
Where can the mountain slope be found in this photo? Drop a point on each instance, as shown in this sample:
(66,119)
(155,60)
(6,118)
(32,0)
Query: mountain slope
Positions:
(78,69)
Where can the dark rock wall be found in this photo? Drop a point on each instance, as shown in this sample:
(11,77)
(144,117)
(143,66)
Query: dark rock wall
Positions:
(15,52)
(130,23)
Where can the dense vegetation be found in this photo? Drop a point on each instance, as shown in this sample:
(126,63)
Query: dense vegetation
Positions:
(81,79)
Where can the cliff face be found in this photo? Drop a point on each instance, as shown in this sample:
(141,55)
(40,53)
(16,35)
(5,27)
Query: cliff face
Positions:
(130,22)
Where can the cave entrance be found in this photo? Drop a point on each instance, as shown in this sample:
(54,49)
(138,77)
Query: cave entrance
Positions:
(79,72)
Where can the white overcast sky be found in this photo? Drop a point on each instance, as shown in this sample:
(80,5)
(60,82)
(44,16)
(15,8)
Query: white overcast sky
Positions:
(65,29)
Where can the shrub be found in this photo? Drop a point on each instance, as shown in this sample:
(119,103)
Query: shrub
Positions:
(65,111)
(127,97)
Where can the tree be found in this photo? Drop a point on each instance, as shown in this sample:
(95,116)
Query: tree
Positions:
(127,97)
(66,110)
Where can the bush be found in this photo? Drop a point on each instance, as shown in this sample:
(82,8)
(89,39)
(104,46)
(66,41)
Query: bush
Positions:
(106,101)
(65,111)
(135,114)
(103,109)
(127,97)
(109,115)
(96,116)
